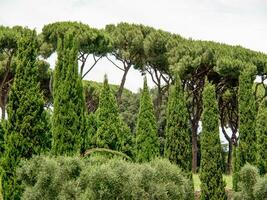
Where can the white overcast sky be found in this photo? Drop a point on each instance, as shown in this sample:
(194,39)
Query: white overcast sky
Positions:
(242,22)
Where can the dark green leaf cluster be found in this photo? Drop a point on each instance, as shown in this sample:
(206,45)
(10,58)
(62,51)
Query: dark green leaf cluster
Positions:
(147,142)
(212,184)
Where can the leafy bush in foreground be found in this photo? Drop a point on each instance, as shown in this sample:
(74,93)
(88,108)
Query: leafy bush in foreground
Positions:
(251,185)
(100,178)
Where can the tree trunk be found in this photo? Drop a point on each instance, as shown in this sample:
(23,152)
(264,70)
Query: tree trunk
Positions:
(229,159)
(194,148)
(158,102)
(3,111)
(123,80)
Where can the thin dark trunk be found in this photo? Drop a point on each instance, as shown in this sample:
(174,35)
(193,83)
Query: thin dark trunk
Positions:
(229,159)
(123,80)
(3,111)
(194,149)
(158,102)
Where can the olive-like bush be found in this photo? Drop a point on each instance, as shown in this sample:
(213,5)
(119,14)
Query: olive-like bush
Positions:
(260,189)
(97,177)
(251,185)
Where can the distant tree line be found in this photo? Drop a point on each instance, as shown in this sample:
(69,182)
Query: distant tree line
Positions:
(196,81)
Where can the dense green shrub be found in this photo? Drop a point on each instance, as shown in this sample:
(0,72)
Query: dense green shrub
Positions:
(248,177)
(100,178)
(260,189)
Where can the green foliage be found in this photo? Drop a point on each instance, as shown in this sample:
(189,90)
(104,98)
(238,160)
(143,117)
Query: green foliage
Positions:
(147,142)
(212,184)
(89,140)
(178,140)
(111,132)
(260,188)
(90,40)
(251,186)
(127,42)
(47,178)
(68,122)
(100,178)
(261,131)
(26,130)
(155,49)
(246,150)
(248,177)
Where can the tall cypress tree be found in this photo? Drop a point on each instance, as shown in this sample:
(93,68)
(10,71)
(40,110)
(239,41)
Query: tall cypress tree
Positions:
(178,147)
(111,130)
(92,128)
(26,127)
(261,131)
(246,150)
(147,142)
(68,121)
(212,184)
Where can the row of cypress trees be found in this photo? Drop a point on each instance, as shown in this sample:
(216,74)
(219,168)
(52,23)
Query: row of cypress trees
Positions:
(26,130)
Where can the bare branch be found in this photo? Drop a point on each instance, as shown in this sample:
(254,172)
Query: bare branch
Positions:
(115,64)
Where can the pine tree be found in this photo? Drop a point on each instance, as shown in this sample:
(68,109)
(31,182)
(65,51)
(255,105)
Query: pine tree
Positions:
(26,127)
(261,131)
(147,142)
(212,184)
(111,132)
(178,147)
(246,150)
(68,121)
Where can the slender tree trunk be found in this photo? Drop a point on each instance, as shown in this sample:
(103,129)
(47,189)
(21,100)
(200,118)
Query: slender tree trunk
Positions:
(229,159)
(194,148)
(3,111)
(158,102)
(123,80)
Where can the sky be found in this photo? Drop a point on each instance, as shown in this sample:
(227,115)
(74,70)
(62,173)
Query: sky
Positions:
(236,22)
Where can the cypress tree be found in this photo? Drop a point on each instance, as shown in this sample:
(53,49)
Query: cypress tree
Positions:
(110,132)
(212,184)
(147,142)
(68,121)
(261,131)
(89,140)
(246,150)
(178,147)
(26,127)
